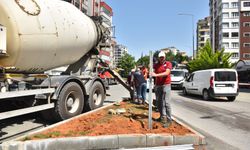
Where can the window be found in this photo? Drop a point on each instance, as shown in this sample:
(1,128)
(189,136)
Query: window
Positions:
(246,44)
(246,24)
(225,25)
(225,76)
(202,33)
(246,4)
(235,34)
(235,14)
(225,45)
(246,34)
(235,55)
(225,35)
(235,45)
(225,5)
(235,4)
(235,24)
(225,15)
(246,55)
(246,14)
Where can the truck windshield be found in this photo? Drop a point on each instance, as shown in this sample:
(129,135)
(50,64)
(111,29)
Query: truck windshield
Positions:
(225,76)
(177,73)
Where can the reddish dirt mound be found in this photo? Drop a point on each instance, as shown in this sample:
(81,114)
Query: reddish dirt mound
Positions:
(133,121)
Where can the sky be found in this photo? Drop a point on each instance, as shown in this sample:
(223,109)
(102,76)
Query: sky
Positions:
(144,25)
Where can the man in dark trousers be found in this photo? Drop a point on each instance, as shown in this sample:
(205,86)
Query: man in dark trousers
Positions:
(162,72)
(141,86)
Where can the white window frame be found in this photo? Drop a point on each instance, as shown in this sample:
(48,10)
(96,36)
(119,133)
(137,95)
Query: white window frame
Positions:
(246,13)
(225,45)
(235,4)
(225,25)
(246,34)
(246,55)
(248,4)
(223,15)
(225,5)
(235,24)
(235,14)
(246,45)
(246,24)
(235,45)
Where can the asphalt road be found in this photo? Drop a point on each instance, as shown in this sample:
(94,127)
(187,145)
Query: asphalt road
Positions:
(226,125)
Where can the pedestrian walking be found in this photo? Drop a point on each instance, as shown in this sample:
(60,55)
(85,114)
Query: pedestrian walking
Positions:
(162,71)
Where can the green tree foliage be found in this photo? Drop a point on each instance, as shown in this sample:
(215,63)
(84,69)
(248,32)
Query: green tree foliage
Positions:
(175,59)
(207,59)
(127,63)
(143,61)
(180,58)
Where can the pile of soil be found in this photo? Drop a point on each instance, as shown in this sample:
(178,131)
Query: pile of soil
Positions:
(133,121)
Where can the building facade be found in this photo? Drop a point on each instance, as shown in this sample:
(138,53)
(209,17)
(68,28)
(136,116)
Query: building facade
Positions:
(98,8)
(120,50)
(224,27)
(245,30)
(203,32)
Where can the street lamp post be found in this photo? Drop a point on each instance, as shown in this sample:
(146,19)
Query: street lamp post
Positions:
(191,15)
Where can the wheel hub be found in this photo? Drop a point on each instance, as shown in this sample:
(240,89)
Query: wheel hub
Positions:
(70,102)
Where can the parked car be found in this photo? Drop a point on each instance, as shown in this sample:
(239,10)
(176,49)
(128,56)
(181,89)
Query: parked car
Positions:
(178,77)
(213,83)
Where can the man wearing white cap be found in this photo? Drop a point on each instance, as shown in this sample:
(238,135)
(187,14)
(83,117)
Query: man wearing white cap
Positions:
(162,72)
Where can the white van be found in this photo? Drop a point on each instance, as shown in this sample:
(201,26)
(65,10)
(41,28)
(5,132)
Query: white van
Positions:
(213,83)
(178,77)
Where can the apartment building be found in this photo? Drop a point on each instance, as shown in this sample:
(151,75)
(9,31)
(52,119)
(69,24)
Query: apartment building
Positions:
(203,32)
(224,27)
(245,30)
(120,50)
(98,8)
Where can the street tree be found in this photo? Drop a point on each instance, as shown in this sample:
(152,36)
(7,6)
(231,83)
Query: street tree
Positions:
(208,59)
(127,63)
(175,59)
(144,60)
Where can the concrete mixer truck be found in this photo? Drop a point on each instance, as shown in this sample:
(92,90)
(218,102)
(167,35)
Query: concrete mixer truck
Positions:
(37,36)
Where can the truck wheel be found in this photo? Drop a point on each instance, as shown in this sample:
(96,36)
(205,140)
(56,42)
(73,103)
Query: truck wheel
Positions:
(205,95)
(70,102)
(231,98)
(184,91)
(96,96)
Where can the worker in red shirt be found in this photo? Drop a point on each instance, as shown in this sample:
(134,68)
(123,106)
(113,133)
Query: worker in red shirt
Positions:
(162,74)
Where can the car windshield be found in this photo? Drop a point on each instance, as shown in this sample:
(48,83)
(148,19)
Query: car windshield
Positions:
(225,76)
(177,73)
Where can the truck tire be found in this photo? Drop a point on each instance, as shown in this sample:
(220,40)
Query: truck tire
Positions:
(231,98)
(206,95)
(70,102)
(96,96)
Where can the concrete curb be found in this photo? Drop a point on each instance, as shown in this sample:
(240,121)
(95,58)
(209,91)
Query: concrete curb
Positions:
(104,142)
